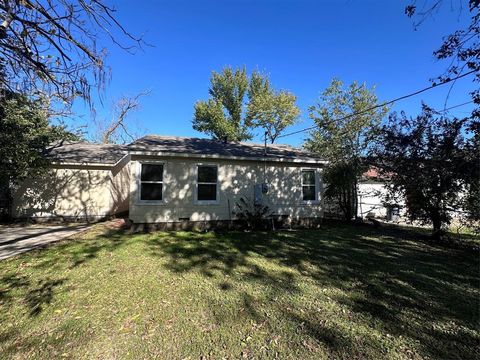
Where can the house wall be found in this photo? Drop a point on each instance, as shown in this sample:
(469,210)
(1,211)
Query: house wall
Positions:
(73,192)
(371,197)
(120,186)
(236,179)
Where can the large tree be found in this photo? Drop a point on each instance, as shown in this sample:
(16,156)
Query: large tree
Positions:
(50,47)
(222,115)
(269,109)
(428,161)
(345,123)
(25,133)
(471,176)
(239,103)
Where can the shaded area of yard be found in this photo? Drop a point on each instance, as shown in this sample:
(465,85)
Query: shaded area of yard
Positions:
(339,292)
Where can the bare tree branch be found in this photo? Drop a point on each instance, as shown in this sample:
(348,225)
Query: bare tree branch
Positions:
(118,130)
(50,46)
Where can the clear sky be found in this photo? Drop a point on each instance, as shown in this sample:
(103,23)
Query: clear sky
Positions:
(301,44)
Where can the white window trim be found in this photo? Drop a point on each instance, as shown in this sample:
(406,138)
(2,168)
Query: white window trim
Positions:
(317,187)
(206,202)
(139,200)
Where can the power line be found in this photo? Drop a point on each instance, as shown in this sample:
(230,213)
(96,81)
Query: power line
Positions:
(454,106)
(390,102)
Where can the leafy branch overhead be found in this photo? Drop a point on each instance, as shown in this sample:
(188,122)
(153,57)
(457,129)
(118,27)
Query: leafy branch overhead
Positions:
(461,48)
(49,48)
(239,103)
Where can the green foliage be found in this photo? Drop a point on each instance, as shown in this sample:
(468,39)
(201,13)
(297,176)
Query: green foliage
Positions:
(471,176)
(340,135)
(231,91)
(272,110)
(430,165)
(253,214)
(344,133)
(341,189)
(222,115)
(25,133)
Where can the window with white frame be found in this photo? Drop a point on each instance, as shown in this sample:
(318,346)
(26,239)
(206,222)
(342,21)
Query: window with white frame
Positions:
(207,178)
(151,182)
(309,188)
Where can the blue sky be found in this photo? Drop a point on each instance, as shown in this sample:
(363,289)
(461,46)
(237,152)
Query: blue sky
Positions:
(301,44)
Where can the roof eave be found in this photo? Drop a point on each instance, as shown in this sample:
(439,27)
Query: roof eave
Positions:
(89,164)
(224,157)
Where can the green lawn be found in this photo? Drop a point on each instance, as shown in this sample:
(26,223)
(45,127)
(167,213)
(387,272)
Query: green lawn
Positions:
(339,292)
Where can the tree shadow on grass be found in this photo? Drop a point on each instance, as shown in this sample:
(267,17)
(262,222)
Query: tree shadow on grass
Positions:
(60,342)
(67,254)
(403,287)
(72,255)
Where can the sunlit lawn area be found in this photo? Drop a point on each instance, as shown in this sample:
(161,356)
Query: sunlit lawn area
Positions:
(339,292)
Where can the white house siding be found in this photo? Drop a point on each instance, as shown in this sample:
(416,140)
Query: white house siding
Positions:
(76,192)
(371,197)
(120,187)
(236,179)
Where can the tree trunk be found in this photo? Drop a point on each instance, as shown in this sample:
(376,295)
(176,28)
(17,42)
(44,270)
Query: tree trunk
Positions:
(355,198)
(438,233)
(6,201)
(348,213)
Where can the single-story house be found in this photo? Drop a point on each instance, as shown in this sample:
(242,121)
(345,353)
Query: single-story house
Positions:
(173,180)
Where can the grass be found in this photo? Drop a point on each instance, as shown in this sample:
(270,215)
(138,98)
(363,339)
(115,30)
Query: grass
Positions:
(342,292)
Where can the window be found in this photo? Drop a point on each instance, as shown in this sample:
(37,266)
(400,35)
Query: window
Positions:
(151,182)
(309,191)
(207,183)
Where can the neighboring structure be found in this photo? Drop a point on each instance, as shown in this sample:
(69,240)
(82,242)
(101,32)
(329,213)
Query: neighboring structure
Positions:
(371,195)
(159,179)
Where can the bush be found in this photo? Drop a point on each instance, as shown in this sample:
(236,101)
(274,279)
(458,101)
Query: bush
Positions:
(254,215)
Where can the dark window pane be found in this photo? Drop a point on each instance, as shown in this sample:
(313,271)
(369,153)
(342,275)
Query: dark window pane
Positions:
(207,192)
(308,177)
(207,174)
(152,172)
(151,191)
(308,192)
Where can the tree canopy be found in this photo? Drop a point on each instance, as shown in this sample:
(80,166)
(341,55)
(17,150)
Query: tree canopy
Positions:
(343,134)
(344,124)
(429,163)
(25,133)
(239,103)
(271,110)
(221,116)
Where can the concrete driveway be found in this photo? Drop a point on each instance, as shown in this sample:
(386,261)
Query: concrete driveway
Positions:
(17,239)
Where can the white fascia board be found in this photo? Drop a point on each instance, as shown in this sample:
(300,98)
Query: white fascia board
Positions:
(109,165)
(222,157)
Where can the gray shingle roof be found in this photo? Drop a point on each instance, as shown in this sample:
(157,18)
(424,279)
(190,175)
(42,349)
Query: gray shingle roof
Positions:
(188,145)
(80,152)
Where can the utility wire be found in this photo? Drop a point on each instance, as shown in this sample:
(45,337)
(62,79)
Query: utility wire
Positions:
(454,106)
(388,103)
